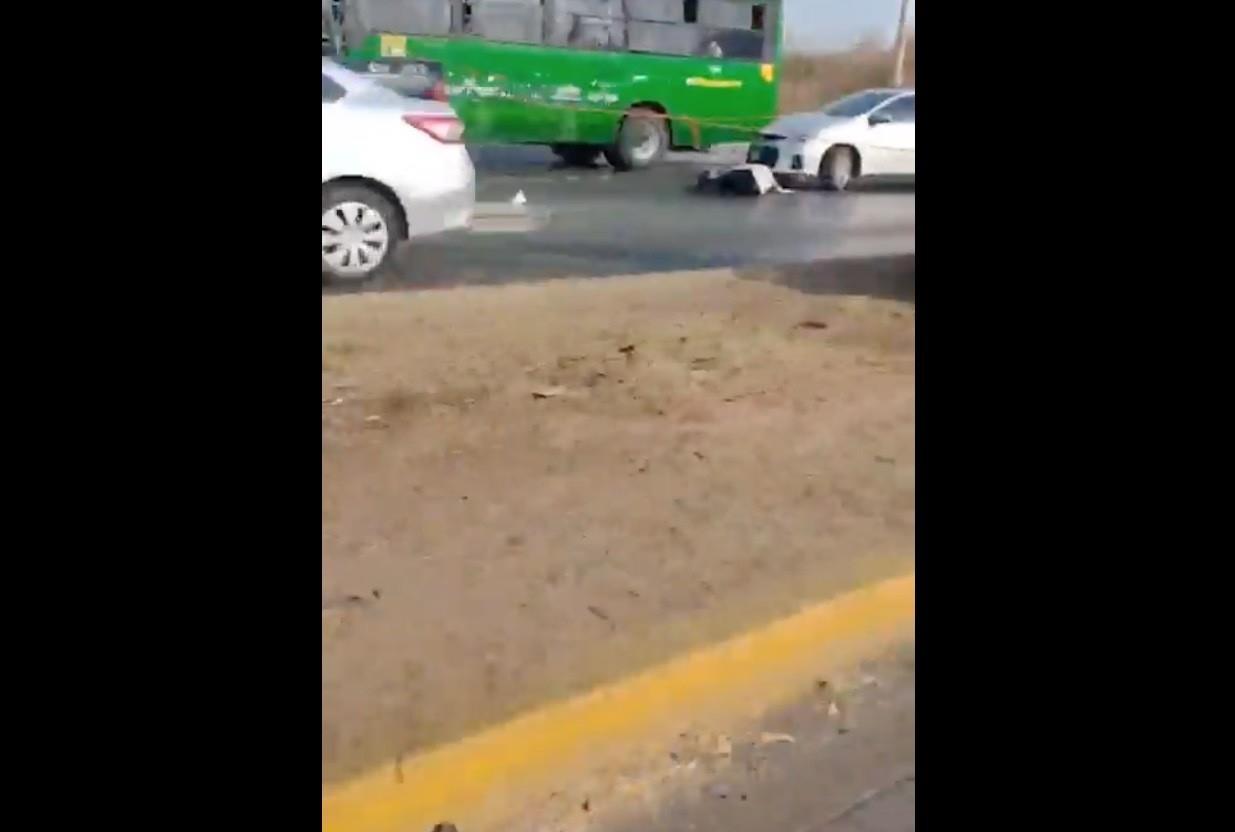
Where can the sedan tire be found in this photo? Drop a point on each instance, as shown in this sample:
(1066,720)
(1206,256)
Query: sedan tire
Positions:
(360,229)
(837,168)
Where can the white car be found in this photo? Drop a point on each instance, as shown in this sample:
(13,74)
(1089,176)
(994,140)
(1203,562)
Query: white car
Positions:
(869,133)
(393,168)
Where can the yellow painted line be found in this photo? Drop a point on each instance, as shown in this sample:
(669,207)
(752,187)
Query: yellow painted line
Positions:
(463,781)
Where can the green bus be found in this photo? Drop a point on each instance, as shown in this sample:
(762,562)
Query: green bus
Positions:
(627,78)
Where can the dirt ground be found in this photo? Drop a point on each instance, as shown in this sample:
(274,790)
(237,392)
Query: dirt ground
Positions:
(527,490)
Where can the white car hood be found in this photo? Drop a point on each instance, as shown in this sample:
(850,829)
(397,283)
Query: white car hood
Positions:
(798,125)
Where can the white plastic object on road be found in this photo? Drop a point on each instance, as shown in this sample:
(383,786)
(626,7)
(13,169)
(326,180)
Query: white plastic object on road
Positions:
(519,199)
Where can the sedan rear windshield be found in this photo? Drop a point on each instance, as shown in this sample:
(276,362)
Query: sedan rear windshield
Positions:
(409,78)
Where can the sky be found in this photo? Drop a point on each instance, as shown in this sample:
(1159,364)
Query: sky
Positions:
(836,24)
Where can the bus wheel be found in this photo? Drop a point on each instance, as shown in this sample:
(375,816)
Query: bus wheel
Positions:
(642,140)
(576,155)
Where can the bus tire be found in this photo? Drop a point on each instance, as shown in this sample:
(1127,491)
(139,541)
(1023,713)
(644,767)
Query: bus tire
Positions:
(642,140)
(576,155)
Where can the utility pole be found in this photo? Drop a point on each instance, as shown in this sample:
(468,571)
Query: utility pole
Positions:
(898,69)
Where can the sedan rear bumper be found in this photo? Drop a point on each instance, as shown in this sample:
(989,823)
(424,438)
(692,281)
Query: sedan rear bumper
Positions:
(440,201)
(444,211)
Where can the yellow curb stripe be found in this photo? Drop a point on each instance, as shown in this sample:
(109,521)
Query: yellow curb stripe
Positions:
(455,781)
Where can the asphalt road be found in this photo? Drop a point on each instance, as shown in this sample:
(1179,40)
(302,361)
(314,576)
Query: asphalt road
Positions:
(595,222)
(855,773)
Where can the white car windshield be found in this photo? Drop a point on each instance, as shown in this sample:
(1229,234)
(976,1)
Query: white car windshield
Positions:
(858,104)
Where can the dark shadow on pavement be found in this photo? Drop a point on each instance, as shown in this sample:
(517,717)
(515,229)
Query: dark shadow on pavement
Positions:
(488,260)
(887,185)
(889,276)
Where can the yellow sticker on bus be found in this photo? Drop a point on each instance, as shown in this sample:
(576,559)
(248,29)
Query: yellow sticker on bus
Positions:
(393,46)
(714,83)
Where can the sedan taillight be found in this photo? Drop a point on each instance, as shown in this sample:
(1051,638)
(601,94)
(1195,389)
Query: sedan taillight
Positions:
(446,129)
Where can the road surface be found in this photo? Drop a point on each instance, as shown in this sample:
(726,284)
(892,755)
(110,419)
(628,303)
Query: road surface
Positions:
(850,773)
(595,222)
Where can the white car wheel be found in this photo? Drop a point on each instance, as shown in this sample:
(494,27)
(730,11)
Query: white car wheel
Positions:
(837,168)
(358,232)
